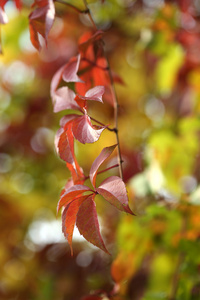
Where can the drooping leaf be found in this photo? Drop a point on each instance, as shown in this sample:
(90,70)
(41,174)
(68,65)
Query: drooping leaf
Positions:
(72,193)
(88,224)
(41,21)
(105,153)
(63,98)
(113,190)
(56,80)
(71,69)
(64,141)
(68,73)
(84,131)
(94,94)
(87,39)
(69,218)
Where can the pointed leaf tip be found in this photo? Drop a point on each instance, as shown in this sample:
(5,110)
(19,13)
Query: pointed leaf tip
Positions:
(105,153)
(88,224)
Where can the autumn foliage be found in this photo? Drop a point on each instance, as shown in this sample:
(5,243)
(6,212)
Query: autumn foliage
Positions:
(147,162)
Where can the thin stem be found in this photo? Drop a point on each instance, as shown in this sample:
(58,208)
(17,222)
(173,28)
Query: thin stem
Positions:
(85,11)
(107,169)
(110,129)
(94,64)
(114,95)
(116,109)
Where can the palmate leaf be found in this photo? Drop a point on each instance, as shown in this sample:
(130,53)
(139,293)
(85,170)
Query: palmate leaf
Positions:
(41,21)
(113,190)
(81,208)
(88,225)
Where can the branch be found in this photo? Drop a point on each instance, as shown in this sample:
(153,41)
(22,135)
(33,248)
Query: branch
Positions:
(114,95)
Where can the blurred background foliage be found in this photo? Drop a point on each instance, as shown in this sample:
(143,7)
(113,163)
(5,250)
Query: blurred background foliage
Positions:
(154,46)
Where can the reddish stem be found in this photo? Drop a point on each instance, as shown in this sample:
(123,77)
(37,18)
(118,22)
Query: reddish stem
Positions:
(110,129)
(107,169)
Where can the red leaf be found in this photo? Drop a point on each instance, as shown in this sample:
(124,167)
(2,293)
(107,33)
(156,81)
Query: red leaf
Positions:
(114,191)
(18,4)
(66,119)
(68,73)
(63,99)
(64,143)
(69,218)
(41,21)
(94,94)
(56,80)
(71,194)
(88,224)
(76,172)
(71,69)
(87,40)
(2,3)
(84,131)
(105,153)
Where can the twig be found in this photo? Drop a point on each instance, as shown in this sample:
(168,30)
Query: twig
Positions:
(102,171)
(110,129)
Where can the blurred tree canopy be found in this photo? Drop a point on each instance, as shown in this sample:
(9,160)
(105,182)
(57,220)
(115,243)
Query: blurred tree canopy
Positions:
(154,46)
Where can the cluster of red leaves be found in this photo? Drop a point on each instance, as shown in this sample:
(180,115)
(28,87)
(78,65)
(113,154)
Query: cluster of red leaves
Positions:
(88,73)
(40,19)
(77,199)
